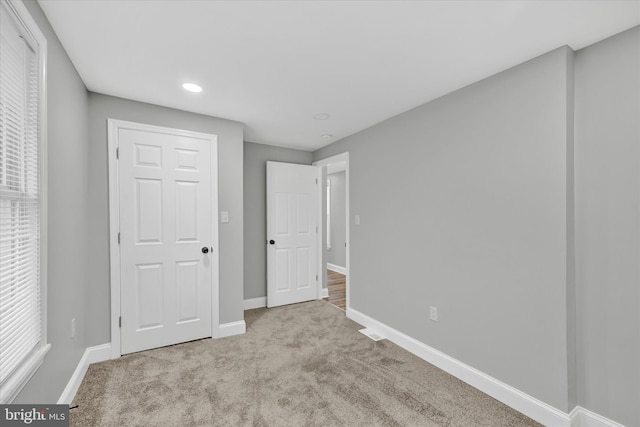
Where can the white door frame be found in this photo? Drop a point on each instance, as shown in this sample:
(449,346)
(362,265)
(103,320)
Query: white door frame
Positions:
(339,158)
(114,223)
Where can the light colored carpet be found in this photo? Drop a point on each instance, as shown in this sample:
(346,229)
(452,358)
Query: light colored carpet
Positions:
(298,365)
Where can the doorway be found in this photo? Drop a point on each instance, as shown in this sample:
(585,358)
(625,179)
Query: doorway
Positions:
(334,247)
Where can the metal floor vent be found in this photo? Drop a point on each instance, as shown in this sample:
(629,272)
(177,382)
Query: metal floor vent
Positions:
(371,334)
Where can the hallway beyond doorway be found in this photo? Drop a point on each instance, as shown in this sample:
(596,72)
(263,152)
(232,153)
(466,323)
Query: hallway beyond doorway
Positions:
(336,283)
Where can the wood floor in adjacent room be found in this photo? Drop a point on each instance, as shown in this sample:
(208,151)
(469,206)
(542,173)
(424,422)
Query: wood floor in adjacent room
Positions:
(337,284)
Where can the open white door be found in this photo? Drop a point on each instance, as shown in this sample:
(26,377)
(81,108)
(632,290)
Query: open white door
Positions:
(292,233)
(167,235)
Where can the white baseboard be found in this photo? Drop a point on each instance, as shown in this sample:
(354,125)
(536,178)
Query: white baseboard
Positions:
(581,417)
(518,400)
(336,268)
(98,353)
(232,328)
(252,303)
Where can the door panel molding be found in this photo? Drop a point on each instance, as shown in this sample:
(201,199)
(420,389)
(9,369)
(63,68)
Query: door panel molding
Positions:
(149,157)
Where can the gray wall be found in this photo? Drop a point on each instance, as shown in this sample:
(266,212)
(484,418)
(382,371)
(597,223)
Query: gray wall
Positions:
(255,206)
(608,226)
(463,205)
(337,255)
(230,164)
(68,208)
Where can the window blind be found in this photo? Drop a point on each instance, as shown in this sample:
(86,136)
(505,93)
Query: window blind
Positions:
(20,314)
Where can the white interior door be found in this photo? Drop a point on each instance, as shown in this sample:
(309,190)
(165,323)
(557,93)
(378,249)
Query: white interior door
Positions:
(165,188)
(292,231)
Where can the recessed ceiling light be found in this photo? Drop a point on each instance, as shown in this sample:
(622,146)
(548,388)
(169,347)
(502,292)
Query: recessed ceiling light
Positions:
(327,136)
(322,116)
(192,87)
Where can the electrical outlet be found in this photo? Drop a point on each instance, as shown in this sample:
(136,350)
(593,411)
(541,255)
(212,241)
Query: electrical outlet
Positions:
(73,327)
(433,313)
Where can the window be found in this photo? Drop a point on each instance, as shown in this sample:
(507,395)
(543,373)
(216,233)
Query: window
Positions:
(22,199)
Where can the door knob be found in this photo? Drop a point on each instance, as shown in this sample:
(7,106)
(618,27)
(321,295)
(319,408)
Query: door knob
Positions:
(272,242)
(205,250)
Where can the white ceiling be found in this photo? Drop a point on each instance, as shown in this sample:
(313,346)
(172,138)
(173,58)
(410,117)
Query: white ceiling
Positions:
(273,65)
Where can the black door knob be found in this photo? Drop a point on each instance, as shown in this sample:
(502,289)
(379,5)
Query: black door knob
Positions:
(272,242)
(205,250)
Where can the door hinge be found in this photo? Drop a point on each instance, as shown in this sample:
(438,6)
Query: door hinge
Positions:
(120,321)
(316,228)
(316,180)
(117,152)
(118,237)
(316,277)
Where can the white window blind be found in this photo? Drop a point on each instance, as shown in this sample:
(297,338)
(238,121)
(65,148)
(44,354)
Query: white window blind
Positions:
(21,330)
